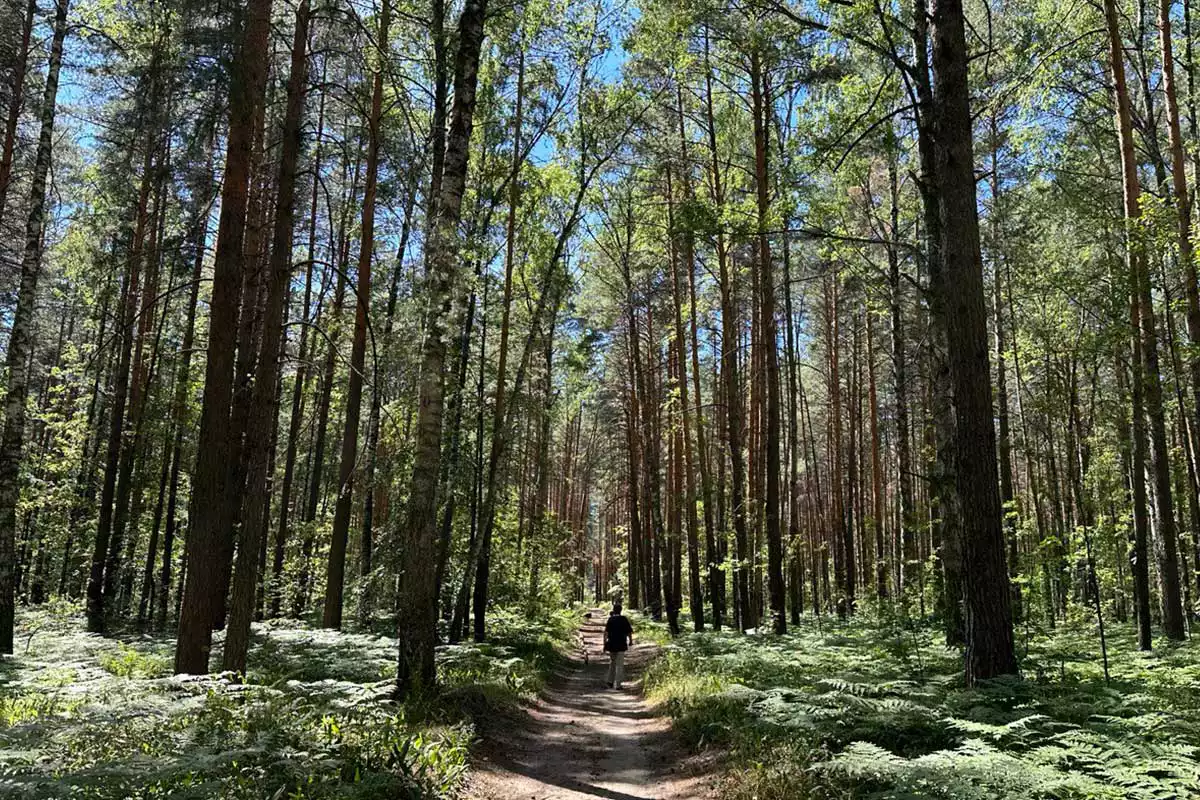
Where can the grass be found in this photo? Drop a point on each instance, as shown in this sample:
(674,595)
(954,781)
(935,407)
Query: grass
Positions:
(84,716)
(872,708)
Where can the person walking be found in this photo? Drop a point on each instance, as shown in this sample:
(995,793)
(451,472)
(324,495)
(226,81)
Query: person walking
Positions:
(618,638)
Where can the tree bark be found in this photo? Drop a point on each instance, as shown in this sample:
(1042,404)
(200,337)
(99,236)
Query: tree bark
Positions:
(479,549)
(881,558)
(910,566)
(777,590)
(1007,491)
(842,534)
(989,635)
(685,460)
(417,605)
(367,549)
(14,106)
(212,482)
(1183,215)
(179,403)
(729,370)
(261,421)
(1136,258)
(335,575)
(20,343)
(296,417)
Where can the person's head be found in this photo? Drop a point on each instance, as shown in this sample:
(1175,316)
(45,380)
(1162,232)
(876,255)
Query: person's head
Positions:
(616,608)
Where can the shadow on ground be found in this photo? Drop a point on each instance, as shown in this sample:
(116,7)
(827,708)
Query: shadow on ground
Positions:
(584,740)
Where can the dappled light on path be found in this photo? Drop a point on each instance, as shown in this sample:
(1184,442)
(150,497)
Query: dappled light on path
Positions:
(584,740)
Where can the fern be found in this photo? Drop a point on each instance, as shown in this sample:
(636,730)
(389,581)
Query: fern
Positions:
(856,714)
(81,716)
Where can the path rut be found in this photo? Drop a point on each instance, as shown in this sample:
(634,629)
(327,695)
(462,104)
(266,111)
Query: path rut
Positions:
(583,740)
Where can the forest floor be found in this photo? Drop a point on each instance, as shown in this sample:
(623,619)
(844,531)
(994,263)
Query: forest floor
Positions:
(102,717)
(876,706)
(584,740)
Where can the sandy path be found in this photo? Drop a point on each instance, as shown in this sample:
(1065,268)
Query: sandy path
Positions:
(583,740)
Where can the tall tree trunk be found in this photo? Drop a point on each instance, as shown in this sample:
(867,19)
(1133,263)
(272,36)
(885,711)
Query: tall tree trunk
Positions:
(282,533)
(945,523)
(843,534)
(441,87)
(20,343)
(335,575)
(211,484)
(716,575)
(1191,286)
(1139,554)
(146,600)
(138,372)
(542,491)
(910,565)
(451,463)
(651,468)
(261,422)
(1136,258)
(633,485)
(85,485)
(1007,492)
(367,549)
(731,390)
(15,103)
(686,261)
(881,557)
(106,546)
(777,591)
(324,399)
(987,598)
(795,509)
(179,402)
(945,511)
(1183,213)
(416,603)
(479,553)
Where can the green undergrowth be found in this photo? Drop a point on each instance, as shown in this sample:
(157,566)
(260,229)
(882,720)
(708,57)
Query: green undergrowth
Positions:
(83,716)
(647,630)
(875,709)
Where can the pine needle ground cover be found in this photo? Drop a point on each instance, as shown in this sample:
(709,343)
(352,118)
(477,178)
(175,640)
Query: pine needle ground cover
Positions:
(83,716)
(872,709)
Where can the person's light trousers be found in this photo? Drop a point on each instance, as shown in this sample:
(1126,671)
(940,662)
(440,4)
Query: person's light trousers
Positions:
(616,668)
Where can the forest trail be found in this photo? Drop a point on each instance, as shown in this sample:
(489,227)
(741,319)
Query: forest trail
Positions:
(584,740)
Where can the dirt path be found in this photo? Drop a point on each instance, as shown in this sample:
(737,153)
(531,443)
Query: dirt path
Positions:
(584,740)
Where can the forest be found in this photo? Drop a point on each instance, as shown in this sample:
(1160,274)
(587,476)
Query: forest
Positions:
(361,354)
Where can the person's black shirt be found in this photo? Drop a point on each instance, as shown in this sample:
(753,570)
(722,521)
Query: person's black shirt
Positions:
(616,634)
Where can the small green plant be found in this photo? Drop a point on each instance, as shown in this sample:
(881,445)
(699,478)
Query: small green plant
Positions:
(30,706)
(128,662)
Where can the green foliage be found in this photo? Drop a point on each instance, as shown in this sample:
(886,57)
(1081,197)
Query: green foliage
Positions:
(874,709)
(82,716)
(128,662)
